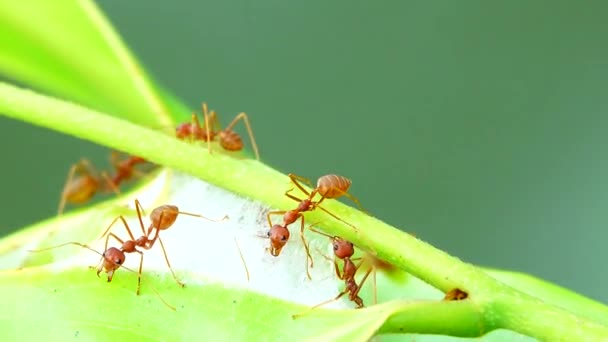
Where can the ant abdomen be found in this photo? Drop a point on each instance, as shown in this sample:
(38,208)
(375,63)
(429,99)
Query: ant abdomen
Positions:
(333,186)
(81,189)
(231,141)
(164,216)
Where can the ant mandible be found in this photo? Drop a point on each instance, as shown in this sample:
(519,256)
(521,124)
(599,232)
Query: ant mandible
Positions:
(328,186)
(229,139)
(83,180)
(111,260)
(162,218)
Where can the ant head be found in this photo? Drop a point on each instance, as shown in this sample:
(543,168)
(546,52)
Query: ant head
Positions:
(164,216)
(113,258)
(230,140)
(342,248)
(183,131)
(279,235)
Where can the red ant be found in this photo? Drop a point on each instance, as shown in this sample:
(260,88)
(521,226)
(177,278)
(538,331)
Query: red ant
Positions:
(344,250)
(162,218)
(84,182)
(328,186)
(111,260)
(455,294)
(229,139)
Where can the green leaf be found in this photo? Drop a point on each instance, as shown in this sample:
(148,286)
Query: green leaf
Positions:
(491,304)
(203,311)
(67,290)
(69,48)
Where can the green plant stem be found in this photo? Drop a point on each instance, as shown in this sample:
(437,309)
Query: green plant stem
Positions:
(127,61)
(461,318)
(502,306)
(553,294)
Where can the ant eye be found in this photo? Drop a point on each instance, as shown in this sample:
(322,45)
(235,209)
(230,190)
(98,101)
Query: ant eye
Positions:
(283,238)
(336,247)
(118,261)
(268,234)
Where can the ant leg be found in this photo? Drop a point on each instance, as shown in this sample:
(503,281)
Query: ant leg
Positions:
(140,213)
(306,247)
(65,187)
(324,256)
(115,237)
(354,199)
(169,264)
(206,117)
(375,288)
(242,258)
(320,304)
(280,212)
(141,263)
(114,159)
(112,224)
(295,179)
(243,116)
(287,193)
(337,268)
(355,294)
(110,183)
(336,217)
(195,128)
(151,242)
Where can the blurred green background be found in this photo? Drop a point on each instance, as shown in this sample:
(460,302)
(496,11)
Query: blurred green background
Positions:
(479,127)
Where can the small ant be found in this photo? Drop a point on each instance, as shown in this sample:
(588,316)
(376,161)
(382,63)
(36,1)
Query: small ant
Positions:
(344,250)
(455,294)
(84,182)
(328,186)
(162,218)
(229,139)
(111,260)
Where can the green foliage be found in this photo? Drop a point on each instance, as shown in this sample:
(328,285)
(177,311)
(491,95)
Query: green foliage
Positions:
(63,300)
(70,49)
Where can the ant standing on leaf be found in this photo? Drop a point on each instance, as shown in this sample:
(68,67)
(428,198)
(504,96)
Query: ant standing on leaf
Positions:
(162,218)
(111,260)
(328,186)
(228,139)
(84,181)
